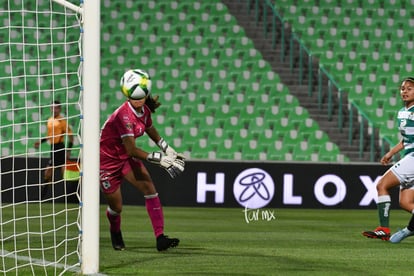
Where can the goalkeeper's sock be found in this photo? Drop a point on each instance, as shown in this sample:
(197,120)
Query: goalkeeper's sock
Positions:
(154,209)
(383,205)
(114,220)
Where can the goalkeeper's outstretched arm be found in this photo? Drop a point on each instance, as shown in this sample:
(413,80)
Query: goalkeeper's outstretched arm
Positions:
(132,150)
(174,166)
(153,134)
(162,144)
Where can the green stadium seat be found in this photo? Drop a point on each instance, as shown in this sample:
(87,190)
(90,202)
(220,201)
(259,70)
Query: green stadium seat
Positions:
(370,29)
(171,53)
(277,150)
(251,150)
(303,152)
(201,149)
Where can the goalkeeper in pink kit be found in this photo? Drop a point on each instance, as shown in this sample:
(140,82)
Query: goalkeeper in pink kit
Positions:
(121,159)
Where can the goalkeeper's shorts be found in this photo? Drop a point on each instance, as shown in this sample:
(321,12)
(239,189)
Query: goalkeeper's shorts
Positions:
(112,172)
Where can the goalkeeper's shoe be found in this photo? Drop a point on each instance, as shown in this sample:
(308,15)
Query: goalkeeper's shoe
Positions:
(380,232)
(400,235)
(164,242)
(117,241)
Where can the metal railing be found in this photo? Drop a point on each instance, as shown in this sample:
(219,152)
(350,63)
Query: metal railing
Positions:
(327,88)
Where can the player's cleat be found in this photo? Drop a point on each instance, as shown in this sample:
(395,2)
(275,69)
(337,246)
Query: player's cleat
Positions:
(117,241)
(164,242)
(400,235)
(380,232)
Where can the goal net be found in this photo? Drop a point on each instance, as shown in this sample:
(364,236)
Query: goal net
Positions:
(41,66)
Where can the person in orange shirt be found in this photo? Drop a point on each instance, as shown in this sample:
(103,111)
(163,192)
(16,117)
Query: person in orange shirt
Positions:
(57,129)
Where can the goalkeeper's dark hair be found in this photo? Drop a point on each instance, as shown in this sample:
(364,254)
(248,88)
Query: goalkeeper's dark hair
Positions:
(410,79)
(152,103)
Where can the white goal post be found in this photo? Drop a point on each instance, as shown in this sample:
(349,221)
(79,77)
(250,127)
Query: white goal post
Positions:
(49,57)
(91,130)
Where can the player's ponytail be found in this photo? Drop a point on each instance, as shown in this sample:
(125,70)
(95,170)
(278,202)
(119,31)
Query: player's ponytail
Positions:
(152,103)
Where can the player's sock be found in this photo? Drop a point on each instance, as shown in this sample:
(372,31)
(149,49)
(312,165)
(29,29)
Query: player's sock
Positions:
(383,205)
(410,225)
(114,220)
(154,209)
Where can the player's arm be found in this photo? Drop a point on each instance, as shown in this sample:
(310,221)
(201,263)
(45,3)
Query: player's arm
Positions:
(70,137)
(132,150)
(41,141)
(172,165)
(394,150)
(153,134)
(162,144)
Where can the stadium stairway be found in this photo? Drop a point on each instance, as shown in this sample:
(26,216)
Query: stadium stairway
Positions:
(291,79)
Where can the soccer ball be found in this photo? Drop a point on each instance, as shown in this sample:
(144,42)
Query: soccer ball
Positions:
(136,84)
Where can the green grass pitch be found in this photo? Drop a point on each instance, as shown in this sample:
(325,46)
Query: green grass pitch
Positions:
(219,241)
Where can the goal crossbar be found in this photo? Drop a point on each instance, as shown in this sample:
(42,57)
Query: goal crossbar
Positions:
(69,5)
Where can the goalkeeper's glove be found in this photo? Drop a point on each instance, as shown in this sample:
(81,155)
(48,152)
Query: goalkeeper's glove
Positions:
(163,145)
(172,165)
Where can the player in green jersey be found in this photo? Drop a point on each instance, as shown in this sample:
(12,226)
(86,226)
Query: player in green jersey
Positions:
(402,173)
